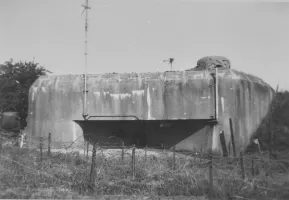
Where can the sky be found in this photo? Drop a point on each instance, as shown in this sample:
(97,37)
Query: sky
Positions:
(136,35)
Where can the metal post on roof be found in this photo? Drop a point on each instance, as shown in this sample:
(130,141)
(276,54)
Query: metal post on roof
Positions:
(86,8)
(170,60)
(215,125)
(216,87)
(216,95)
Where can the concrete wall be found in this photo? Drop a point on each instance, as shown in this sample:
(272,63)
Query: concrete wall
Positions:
(54,101)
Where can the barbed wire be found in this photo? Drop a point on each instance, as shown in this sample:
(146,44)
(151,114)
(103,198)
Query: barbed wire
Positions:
(187,164)
(126,150)
(157,149)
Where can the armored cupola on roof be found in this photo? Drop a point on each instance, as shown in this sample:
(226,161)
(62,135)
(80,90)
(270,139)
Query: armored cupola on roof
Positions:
(210,62)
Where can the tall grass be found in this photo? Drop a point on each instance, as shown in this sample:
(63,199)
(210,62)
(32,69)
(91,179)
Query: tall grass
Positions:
(66,175)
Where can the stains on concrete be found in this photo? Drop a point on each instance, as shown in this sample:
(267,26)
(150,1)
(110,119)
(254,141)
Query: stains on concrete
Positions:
(150,96)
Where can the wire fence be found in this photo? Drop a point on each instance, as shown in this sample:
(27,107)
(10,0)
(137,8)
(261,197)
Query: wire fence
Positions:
(115,169)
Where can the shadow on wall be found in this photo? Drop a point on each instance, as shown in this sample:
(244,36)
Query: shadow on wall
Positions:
(274,130)
(150,133)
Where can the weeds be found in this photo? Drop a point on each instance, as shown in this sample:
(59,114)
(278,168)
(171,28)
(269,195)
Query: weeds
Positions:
(66,175)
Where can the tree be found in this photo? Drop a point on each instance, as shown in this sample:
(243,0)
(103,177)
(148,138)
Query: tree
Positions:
(15,81)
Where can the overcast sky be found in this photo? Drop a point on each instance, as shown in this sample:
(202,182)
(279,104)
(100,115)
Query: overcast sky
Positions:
(135,35)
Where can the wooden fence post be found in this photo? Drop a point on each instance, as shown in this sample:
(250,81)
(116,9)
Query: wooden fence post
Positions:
(223,143)
(17,158)
(0,147)
(21,139)
(211,179)
(253,167)
(133,162)
(84,145)
(87,149)
(92,169)
(145,153)
(174,157)
(122,151)
(270,141)
(49,144)
(195,155)
(41,150)
(242,165)
(232,137)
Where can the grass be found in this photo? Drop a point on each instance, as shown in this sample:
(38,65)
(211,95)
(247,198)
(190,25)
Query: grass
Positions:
(66,176)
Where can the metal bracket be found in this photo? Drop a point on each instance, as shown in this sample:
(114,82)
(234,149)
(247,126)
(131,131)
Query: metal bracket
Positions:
(213,121)
(113,116)
(85,116)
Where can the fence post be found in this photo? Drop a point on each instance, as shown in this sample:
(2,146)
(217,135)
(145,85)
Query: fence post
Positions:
(133,162)
(87,148)
(211,179)
(229,149)
(49,144)
(145,153)
(253,167)
(41,150)
(232,137)
(17,158)
(223,143)
(242,165)
(200,154)
(21,139)
(92,169)
(174,157)
(0,147)
(162,147)
(122,151)
(270,143)
(195,155)
(84,145)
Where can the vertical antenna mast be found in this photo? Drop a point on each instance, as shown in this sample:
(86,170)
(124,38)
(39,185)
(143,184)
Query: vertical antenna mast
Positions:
(86,8)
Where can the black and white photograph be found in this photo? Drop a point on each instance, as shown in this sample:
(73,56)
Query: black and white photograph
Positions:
(144,99)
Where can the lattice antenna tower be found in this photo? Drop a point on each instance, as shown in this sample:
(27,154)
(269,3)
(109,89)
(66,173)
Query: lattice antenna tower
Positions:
(86,8)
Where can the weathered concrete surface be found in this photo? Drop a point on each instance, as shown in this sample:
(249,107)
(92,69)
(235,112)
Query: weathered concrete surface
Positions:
(55,101)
